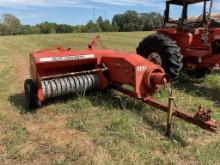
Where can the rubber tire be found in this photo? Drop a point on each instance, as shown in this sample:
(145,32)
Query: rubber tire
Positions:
(168,50)
(30,94)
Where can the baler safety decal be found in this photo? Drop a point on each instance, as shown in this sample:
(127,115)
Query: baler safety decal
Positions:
(66,58)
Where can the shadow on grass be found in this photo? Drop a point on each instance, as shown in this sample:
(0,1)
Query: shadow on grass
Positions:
(106,100)
(193,86)
(112,100)
(18,101)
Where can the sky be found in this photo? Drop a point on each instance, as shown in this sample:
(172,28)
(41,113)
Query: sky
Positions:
(75,12)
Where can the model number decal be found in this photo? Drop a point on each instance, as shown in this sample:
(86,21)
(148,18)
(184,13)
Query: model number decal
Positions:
(141,68)
(66,58)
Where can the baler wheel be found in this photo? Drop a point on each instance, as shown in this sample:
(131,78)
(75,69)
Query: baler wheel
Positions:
(30,94)
(163,51)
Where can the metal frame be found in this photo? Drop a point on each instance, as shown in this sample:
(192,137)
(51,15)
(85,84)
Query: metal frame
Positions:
(113,69)
(185,4)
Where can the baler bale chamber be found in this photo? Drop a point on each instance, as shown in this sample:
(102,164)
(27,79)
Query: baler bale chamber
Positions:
(58,71)
(63,73)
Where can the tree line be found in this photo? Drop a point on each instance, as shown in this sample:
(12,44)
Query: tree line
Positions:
(126,22)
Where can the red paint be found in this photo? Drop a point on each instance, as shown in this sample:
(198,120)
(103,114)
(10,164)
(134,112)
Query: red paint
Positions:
(121,69)
(193,49)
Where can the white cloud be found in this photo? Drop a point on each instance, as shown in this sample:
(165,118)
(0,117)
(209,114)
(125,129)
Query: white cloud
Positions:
(131,2)
(12,3)
(77,3)
(28,16)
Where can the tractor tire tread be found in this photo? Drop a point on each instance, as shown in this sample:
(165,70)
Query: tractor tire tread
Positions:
(169,51)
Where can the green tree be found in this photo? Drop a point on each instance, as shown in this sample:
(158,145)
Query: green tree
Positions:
(78,28)
(35,30)
(107,26)
(63,28)
(1,29)
(92,27)
(104,25)
(114,27)
(47,27)
(11,25)
(133,21)
(100,22)
(151,21)
(129,21)
(26,29)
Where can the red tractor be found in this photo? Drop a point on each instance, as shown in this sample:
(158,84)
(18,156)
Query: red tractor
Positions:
(185,43)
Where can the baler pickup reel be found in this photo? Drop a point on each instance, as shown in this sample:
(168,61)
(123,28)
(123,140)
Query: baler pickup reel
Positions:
(58,72)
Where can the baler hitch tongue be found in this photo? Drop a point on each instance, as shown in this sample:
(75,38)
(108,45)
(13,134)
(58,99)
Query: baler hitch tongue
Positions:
(202,119)
(94,42)
(203,116)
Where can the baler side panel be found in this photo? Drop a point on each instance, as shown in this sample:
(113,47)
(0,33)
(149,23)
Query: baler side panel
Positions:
(119,70)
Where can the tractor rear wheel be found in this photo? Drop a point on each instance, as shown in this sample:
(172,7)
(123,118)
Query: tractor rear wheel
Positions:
(30,94)
(163,51)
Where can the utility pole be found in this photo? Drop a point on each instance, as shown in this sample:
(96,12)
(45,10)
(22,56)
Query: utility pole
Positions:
(94,13)
(105,15)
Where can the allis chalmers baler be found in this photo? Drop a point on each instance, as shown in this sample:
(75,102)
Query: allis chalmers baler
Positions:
(59,71)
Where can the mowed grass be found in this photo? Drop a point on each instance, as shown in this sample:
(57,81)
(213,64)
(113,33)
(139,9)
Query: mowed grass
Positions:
(100,127)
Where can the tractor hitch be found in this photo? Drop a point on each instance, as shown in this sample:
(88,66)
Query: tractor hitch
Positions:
(201,119)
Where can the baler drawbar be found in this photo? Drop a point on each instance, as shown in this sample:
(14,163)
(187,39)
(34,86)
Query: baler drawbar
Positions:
(58,71)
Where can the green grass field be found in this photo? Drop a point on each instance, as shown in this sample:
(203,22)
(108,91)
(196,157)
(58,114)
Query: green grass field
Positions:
(99,128)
